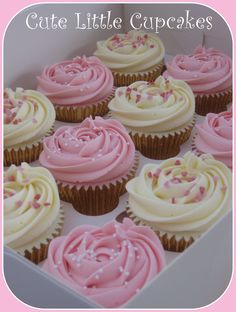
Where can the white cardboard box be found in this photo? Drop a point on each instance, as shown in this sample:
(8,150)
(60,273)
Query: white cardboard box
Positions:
(191,279)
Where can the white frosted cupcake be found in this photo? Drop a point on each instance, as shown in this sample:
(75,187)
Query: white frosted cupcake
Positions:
(32,213)
(159,115)
(180,198)
(28,117)
(132,56)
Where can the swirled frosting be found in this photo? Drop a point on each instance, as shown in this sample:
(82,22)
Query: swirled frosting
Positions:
(206,70)
(158,106)
(182,194)
(95,151)
(31,204)
(107,264)
(131,52)
(214,136)
(81,81)
(28,116)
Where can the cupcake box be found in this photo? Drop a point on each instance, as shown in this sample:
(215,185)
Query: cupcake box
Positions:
(191,279)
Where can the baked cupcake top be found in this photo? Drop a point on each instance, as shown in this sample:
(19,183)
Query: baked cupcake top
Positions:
(31,204)
(206,70)
(181,194)
(95,151)
(28,116)
(81,81)
(131,52)
(159,106)
(107,264)
(214,136)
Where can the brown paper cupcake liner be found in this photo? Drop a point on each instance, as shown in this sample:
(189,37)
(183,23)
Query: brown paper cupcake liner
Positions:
(194,148)
(97,199)
(212,103)
(77,113)
(37,252)
(170,241)
(25,153)
(125,79)
(161,146)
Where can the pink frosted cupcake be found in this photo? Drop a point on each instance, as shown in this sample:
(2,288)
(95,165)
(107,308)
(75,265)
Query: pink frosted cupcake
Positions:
(107,264)
(91,162)
(209,74)
(214,136)
(78,88)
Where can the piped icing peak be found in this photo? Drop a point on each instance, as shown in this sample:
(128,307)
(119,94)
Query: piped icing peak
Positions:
(214,136)
(161,105)
(31,204)
(107,264)
(131,52)
(83,80)
(28,116)
(182,194)
(205,70)
(95,151)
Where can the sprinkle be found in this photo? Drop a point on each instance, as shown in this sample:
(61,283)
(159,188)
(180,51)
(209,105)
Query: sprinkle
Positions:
(152,46)
(202,190)
(55,266)
(168,172)
(48,156)
(157,173)
(97,277)
(127,273)
(35,205)
(19,203)
(149,174)
(120,93)
(128,90)
(167,184)
(37,196)
(125,283)
(114,235)
(121,269)
(184,173)
(173,200)
(176,180)
(216,178)
(136,248)
(191,179)
(10,179)
(223,188)
(177,162)
(186,193)
(47,204)
(138,98)
(145,36)
(27,180)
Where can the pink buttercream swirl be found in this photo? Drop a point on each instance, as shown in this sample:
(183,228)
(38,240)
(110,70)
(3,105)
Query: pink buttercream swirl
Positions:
(206,70)
(214,136)
(95,151)
(81,81)
(108,265)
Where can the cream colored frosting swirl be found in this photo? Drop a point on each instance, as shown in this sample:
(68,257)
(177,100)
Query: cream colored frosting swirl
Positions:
(31,204)
(182,194)
(131,52)
(158,106)
(28,116)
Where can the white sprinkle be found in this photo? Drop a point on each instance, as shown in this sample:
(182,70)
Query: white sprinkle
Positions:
(66,144)
(127,273)
(59,262)
(121,269)
(112,250)
(125,283)
(135,248)
(128,143)
(97,277)
(111,257)
(100,270)
(99,155)
(48,157)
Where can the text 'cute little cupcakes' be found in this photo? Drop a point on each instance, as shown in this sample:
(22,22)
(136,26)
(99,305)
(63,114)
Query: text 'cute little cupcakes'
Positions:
(32,213)
(78,88)
(91,162)
(214,136)
(209,74)
(180,198)
(159,115)
(107,264)
(28,117)
(132,56)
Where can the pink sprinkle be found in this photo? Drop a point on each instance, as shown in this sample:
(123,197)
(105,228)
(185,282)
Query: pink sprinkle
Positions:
(224,188)
(34,120)
(184,173)
(120,93)
(26,180)
(167,184)
(145,36)
(19,203)
(177,162)
(37,196)
(173,200)
(128,90)
(11,179)
(134,46)
(138,98)
(149,174)
(157,173)
(35,205)
(202,189)
(168,172)
(216,178)
(186,193)
(191,179)
(47,204)
(152,46)
(176,180)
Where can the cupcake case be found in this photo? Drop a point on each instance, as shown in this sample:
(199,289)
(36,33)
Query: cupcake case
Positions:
(191,279)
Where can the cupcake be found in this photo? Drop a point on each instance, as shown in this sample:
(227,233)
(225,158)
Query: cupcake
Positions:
(180,198)
(32,213)
(132,56)
(159,115)
(214,136)
(28,117)
(91,162)
(209,74)
(107,264)
(78,88)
